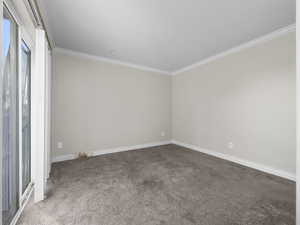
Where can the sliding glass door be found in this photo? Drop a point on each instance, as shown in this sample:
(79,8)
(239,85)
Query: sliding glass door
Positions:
(9,91)
(16,117)
(25,128)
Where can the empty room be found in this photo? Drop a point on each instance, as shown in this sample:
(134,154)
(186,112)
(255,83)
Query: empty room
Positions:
(141,112)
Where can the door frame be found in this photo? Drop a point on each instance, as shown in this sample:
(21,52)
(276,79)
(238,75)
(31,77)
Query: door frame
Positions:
(23,37)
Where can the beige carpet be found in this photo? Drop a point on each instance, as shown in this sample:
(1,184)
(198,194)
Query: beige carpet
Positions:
(162,185)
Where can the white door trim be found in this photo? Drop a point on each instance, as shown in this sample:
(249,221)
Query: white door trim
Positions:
(38,107)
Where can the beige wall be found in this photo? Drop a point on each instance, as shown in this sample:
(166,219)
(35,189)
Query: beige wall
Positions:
(99,105)
(247,98)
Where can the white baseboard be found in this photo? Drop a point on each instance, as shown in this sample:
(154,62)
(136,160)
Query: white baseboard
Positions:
(234,159)
(237,160)
(63,158)
(109,150)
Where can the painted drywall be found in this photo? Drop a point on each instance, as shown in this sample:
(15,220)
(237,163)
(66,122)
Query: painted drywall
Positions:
(99,105)
(246,98)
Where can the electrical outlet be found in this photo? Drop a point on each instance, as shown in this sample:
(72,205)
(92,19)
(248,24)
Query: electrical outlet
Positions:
(230,145)
(162,134)
(60,145)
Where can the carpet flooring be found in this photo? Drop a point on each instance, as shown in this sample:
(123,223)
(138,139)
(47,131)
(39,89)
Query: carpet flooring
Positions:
(166,185)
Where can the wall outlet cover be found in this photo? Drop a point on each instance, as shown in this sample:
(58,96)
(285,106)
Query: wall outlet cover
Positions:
(59,145)
(230,145)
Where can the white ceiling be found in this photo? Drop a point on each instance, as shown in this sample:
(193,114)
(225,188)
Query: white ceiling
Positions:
(162,34)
